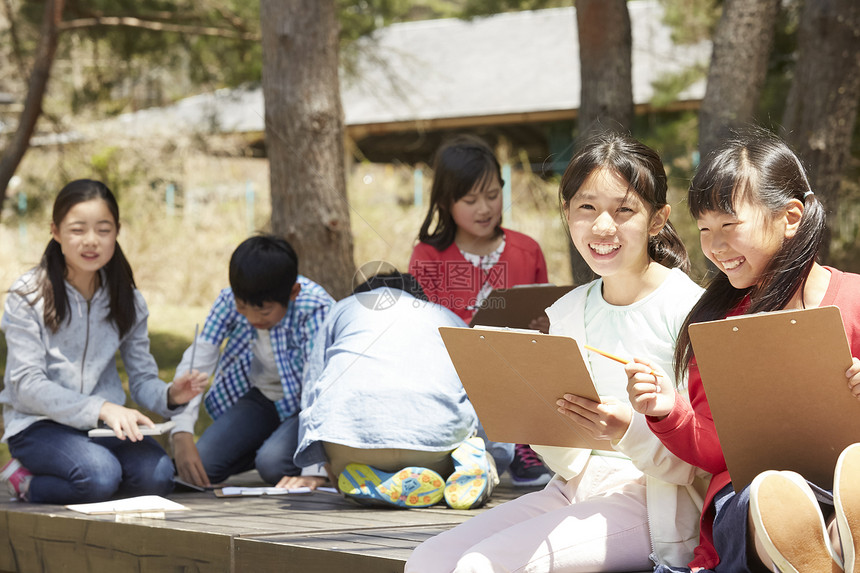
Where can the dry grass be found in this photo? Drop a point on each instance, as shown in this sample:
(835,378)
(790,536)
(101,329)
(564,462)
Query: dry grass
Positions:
(181,260)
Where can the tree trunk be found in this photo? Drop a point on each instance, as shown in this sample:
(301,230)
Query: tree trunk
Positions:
(822,102)
(605,52)
(38,85)
(606,100)
(742,44)
(304,138)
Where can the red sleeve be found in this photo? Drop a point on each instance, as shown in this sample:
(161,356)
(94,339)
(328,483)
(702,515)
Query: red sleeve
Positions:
(541,275)
(425,265)
(688,431)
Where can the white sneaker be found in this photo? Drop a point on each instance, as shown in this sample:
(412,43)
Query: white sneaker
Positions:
(846,499)
(788,519)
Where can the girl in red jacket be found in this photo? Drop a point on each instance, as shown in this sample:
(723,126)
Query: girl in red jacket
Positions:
(761,225)
(464,253)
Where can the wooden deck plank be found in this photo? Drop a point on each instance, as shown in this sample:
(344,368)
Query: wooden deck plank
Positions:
(315,532)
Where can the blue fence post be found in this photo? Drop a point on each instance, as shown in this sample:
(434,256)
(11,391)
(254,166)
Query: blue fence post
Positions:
(419,187)
(506,192)
(249,206)
(22,209)
(170,199)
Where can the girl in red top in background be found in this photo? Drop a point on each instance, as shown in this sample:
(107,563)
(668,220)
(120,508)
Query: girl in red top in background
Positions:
(464,253)
(761,225)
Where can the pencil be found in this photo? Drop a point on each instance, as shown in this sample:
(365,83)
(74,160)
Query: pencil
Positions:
(616,358)
(194,347)
(608,355)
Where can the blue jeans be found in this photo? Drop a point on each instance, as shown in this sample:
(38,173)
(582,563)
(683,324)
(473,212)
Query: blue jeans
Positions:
(250,434)
(502,452)
(70,467)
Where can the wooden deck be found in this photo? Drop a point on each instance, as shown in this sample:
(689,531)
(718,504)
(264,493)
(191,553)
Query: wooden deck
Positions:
(306,532)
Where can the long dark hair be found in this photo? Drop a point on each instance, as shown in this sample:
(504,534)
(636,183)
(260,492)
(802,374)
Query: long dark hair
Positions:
(52,268)
(642,168)
(460,164)
(758,167)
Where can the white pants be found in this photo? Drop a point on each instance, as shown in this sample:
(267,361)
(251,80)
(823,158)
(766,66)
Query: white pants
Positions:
(597,521)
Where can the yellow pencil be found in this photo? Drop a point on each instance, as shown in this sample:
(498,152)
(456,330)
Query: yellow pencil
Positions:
(616,358)
(608,355)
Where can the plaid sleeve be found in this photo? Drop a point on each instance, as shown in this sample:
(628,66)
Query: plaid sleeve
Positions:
(295,340)
(230,382)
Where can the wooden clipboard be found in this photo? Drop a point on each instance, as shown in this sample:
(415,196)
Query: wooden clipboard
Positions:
(514,379)
(777,390)
(517,306)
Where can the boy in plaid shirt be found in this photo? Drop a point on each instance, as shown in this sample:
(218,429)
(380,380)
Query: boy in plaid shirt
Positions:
(268,317)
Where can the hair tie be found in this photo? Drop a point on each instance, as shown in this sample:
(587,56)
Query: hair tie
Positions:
(807,194)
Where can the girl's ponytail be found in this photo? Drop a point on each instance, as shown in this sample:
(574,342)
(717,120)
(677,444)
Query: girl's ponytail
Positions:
(667,249)
(120,283)
(52,286)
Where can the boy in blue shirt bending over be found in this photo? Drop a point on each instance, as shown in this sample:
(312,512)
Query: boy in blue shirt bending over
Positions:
(269,317)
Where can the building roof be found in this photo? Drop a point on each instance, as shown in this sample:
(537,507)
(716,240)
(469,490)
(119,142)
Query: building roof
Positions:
(513,64)
(516,62)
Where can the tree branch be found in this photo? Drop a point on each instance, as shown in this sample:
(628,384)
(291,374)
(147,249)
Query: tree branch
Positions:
(130,22)
(38,84)
(16,41)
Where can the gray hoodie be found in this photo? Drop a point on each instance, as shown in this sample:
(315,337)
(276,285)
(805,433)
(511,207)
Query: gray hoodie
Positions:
(66,376)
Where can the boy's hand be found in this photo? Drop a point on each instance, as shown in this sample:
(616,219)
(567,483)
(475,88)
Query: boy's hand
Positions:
(606,420)
(123,421)
(292,482)
(189,466)
(650,390)
(853,375)
(185,387)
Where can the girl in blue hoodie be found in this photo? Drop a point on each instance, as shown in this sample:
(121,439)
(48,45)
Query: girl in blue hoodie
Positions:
(64,322)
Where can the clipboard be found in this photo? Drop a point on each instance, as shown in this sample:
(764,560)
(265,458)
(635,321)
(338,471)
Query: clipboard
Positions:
(777,390)
(514,379)
(162,428)
(517,306)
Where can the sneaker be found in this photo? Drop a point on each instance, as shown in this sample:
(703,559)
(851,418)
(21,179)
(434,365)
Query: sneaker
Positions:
(527,469)
(409,487)
(474,477)
(17,478)
(789,521)
(846,499)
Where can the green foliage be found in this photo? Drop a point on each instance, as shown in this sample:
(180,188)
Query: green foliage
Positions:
(667,88)
(691,21)
(107,166)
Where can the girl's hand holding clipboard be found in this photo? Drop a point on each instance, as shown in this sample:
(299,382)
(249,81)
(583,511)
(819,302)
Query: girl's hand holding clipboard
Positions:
(124,421)
(649,392)
(604,420)
(853,375)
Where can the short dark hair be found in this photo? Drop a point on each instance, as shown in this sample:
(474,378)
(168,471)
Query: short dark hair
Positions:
(393,279)
(264,268)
